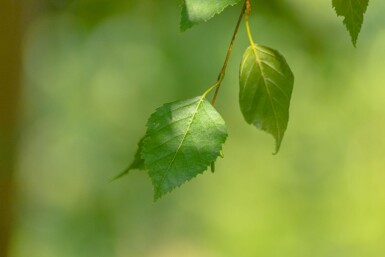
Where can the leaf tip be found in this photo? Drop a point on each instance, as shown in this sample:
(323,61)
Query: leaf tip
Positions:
(120,175)
(158,193)
(353,13)
(277,147)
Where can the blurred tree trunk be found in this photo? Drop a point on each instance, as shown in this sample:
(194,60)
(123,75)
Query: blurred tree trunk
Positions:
(10,84)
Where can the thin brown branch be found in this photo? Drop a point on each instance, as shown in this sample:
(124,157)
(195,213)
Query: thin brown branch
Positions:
(222,73)
(10,84)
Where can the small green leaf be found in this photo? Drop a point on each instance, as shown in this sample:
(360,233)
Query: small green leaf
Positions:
(197,11)
(266,84)
(353,12)
(183,139)
(137,164)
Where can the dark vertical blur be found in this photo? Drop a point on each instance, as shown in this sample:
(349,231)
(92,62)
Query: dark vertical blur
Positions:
(10,31)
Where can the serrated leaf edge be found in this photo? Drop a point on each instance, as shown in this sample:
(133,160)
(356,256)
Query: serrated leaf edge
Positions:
(158,195)
(183,139)
(190,25)
(353,37)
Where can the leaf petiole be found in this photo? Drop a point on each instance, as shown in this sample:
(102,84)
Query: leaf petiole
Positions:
(209,90)
(248,11)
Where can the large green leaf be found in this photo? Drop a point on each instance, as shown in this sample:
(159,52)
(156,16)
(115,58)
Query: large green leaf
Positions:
(353,12)
(197,11)
(137,163)
(183,139)
(266,83)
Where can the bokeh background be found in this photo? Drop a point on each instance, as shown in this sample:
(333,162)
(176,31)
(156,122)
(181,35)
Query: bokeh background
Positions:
(93,72)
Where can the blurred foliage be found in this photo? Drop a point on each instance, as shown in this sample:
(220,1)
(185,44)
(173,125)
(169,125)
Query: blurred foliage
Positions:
(94,70)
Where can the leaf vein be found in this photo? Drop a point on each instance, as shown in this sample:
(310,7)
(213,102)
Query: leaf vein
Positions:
(182,141)
(268,93)
(280,89)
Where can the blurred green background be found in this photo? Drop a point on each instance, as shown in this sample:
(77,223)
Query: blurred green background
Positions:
(94,70)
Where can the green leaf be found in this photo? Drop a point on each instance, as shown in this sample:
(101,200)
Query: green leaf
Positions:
(266,84)
(197,11)
(183,139)
(138,162)
(353,12)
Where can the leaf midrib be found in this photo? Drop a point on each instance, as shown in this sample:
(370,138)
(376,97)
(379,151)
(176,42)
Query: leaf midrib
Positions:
(268,93)
(182,141)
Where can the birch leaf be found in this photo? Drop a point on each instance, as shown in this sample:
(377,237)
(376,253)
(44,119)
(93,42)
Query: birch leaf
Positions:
(183,139)
(266,84)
